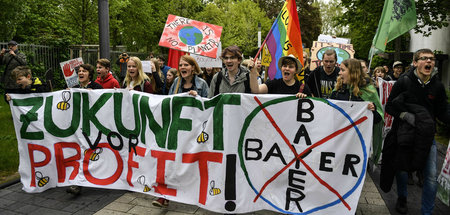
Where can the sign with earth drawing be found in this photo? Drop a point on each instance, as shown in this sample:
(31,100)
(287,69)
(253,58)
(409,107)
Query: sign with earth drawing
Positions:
(343,51)
(191,36)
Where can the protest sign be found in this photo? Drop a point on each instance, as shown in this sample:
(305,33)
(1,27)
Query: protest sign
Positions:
(384,89)
(343,51)
(266,58)
(234,153)
(68,69)
(443,180)
(332,39)
(146,66)
(191,36)
(209,62)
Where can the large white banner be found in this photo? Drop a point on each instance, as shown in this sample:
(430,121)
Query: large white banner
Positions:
(234,153)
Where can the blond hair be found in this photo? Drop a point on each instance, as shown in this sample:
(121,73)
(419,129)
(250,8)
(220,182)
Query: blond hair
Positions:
(140,78)
(356,76)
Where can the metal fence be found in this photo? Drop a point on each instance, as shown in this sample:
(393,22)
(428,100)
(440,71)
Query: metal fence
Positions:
(45,60)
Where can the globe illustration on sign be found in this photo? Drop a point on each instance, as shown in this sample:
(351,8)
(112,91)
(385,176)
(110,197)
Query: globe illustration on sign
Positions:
(190,35)
(341,53)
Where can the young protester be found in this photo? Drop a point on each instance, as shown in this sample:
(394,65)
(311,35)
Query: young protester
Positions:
(208,74)
(289,66)
(189,80)
(85,74)
(136,79)
(172,73)
(27,84)
(233,78)
(157,77)
(321,80)
(104,75)
(397,70)
(417,99)
(353,85)
(378,72)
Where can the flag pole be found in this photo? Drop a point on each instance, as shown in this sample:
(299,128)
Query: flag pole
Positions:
(262,45)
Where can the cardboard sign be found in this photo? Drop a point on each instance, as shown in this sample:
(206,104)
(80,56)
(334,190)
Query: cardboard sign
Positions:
(68,69)
(343,51)
(147,66)
(209,62)
(234,153)
(191,36)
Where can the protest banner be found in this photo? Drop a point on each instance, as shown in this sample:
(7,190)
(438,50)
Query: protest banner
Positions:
(384,89)
(191,36)
(68,69)
(209,62)
(443,180)
(234,153)
(343,51)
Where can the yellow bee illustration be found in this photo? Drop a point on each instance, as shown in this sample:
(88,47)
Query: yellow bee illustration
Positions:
(214,191)
(95,155)
(141,180)
(203,137)
(42,181)
(64,104)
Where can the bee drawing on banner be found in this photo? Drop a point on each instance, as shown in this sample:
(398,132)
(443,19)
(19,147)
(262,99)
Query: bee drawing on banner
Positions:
(214,191)
(42,181)
(141,180)
(95,155)
(203,137)
(64,104)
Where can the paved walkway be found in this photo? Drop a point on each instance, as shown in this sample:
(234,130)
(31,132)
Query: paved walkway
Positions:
(102,201)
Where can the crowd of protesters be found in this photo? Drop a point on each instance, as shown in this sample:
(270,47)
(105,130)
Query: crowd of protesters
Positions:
(417,98)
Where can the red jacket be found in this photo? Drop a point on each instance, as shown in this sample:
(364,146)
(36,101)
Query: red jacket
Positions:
(109,82)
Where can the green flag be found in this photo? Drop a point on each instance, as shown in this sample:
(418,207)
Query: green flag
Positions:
(398,17)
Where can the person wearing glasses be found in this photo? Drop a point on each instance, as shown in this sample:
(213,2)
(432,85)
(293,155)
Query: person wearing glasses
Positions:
(321,80)
(233,78)
(417,99)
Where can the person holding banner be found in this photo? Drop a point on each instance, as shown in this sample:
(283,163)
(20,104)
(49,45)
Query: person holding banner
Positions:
(104,75)
(353,85)
(85,74)
(417,98)
(322,80)
(189,80)
(234,78)
(27,84)
(136,79)
(289,66)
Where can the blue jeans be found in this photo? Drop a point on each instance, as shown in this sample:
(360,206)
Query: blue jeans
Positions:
(429,182)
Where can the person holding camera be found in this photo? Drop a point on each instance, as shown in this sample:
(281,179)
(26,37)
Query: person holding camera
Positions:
(122,63)
(12,58)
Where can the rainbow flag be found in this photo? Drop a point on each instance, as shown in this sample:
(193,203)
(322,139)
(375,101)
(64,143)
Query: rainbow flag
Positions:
(284,38)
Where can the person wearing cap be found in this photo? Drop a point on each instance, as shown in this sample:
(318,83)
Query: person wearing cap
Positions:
(11,58)
(321,80)
(397,71)
(289,66)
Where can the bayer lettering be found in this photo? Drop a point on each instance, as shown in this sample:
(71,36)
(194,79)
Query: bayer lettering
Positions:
(254,151)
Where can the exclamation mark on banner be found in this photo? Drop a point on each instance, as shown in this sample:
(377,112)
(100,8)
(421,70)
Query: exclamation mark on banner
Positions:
(230,183)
